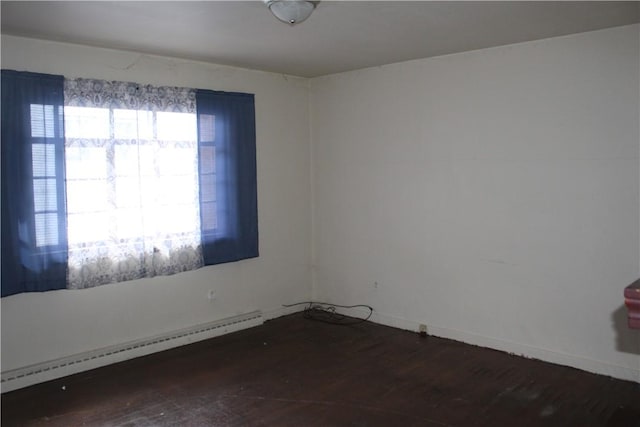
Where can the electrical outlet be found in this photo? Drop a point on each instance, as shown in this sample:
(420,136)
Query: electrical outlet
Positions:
(422,330)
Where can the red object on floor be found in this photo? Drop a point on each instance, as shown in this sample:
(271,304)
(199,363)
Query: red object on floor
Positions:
(632,301)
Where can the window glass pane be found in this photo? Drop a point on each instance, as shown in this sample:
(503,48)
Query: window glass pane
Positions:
(44,194)
(208,189)
(46,229)
(209,216)
(87,227)
(87,196)
(176,189)
(149,190)
(128,191)
(132,124)
(126,160)
(43,158)
(178,160)
(134,160)
(86,122)
(176,219)
(42,125)
(176,126)
(207,159)
(60,120)
(86,162)
(207,128)
(129,223)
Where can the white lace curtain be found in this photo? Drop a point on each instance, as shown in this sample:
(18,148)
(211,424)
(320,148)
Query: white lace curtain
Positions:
(131,156)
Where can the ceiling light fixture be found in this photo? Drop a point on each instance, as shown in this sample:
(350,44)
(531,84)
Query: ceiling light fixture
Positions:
(290,11)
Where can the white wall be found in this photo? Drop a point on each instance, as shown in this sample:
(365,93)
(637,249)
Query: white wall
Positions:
(493,195)
(45,326)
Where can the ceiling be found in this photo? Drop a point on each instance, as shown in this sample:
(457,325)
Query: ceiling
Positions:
(339,35)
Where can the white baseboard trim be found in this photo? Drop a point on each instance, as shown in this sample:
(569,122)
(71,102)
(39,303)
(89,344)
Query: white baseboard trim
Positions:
(585,364)
(282,311)
(46,371)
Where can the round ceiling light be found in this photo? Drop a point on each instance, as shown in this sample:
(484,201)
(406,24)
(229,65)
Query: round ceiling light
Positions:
(290,11)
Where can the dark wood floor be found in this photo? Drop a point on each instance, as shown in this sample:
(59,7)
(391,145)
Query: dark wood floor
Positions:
(297,372)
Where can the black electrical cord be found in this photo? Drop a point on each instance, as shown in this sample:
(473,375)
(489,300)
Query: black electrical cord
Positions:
(326,313)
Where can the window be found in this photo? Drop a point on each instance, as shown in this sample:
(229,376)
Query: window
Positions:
(208,172)
(34,251)
(131,155)
(45,192)
(146,180)
(227,154)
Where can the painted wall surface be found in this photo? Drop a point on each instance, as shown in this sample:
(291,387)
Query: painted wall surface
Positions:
(45,326)
(492,195)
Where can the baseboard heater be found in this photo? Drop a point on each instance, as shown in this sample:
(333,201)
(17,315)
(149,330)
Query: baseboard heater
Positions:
(46,371)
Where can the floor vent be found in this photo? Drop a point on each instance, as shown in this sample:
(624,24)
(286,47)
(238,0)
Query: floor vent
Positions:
(34,374)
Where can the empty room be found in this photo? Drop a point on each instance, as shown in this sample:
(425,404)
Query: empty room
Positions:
(320,213)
